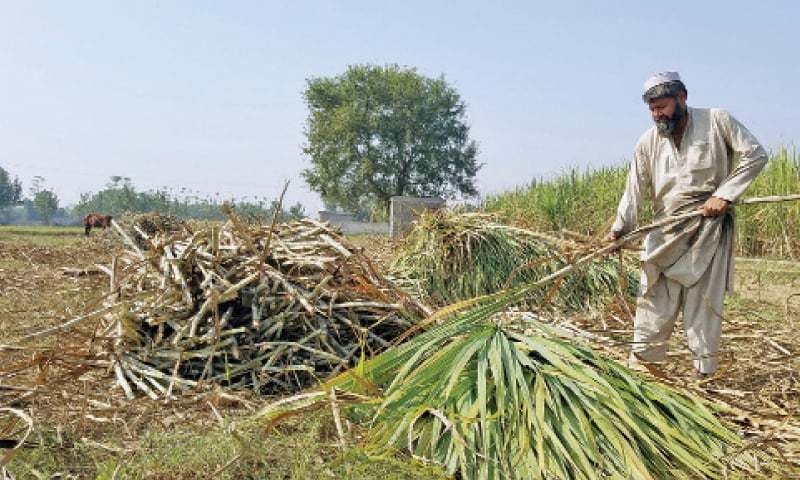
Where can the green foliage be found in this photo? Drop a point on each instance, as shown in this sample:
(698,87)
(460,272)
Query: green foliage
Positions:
(492,404)
(375,132)
(586,202)
(120,196)
(450,257)
(10,190)
(772,230)
(580,201)
(45,201)
(486,401)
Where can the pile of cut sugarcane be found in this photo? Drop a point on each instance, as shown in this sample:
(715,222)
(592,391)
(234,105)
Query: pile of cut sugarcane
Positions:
(273,308)
(144,226)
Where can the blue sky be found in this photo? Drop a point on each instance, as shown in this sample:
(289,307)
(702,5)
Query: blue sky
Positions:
(207,95)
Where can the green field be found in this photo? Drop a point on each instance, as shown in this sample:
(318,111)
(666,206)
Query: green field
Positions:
(586,202)
(7,230)
(41,235)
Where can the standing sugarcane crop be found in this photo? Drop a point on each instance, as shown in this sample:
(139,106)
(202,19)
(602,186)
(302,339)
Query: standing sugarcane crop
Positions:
(685,162)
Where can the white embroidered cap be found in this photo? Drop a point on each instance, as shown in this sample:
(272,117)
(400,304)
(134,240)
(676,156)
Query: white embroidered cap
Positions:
(659,78)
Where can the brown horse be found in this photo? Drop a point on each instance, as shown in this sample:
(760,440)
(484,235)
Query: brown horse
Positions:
(96,220)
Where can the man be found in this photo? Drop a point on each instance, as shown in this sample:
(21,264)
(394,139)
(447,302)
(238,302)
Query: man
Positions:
(686,161)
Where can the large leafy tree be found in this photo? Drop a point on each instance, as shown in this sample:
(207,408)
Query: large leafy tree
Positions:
(374,132)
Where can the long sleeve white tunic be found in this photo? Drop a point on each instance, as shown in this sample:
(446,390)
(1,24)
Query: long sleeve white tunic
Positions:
(679,180)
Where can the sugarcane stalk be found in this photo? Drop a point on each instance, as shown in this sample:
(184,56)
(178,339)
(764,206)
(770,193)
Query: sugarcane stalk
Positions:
(120,376)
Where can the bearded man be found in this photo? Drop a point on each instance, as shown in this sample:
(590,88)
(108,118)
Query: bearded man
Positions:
(692,158)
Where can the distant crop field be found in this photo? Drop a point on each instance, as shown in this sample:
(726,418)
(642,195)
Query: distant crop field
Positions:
(39,230)
(41,235)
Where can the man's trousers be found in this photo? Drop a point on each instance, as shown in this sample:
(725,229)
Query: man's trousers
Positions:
(701,305)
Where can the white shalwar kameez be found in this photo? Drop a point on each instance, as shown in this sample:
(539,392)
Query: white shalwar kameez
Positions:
(688,267)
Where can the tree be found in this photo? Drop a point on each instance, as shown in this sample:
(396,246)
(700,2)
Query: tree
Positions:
(10,190)
(375,132)
(45,201)
(46,204)
(296,212)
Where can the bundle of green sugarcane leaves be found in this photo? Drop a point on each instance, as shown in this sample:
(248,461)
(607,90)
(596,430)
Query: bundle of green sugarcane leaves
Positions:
(448,256)
(481,398)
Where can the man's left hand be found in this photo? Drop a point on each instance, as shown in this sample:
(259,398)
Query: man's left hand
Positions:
(714,206)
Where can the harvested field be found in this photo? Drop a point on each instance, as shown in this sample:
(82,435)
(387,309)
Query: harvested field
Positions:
(81,430)
(36,293)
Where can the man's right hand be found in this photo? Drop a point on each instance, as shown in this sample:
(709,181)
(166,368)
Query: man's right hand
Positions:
(611,237)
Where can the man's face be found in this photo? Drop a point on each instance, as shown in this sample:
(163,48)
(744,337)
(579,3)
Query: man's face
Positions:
(667,112)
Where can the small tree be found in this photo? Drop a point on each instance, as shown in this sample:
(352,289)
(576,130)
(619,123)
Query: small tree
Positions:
(10,194)
(45,201)
(375,132)
(10,190)
(296,212)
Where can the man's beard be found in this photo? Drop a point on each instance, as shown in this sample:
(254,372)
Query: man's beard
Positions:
(667,126)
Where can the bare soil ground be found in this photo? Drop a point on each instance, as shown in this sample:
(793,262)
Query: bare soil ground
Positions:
(83,429)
